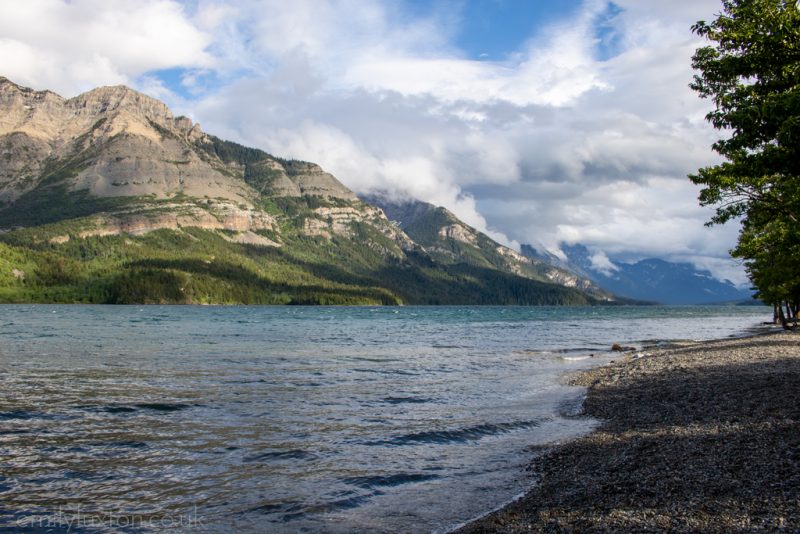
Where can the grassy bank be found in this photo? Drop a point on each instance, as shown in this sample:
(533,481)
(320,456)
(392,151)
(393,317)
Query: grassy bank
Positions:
(697,438)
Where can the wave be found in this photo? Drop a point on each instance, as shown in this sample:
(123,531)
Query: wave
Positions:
(461,435)
(163,406)
(119,409)
(25,415)
(292,454)
(371,482)
(126,444)
(136,407)
(409,400)
(387,371)
(20,414)
(577,358)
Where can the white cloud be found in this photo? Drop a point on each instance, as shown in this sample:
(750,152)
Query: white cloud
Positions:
(74,46)
(560,141)
(552,144)
(601,263)
(552,70)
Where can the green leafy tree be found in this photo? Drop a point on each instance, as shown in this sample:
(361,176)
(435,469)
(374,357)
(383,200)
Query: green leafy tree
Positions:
(751,72)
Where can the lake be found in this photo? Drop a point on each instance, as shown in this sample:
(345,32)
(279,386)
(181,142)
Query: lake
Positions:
(393,419)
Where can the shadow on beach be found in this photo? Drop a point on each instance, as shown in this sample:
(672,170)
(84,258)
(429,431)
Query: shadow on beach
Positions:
(702,438)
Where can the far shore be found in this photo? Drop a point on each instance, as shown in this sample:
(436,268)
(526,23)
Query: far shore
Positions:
(701,437)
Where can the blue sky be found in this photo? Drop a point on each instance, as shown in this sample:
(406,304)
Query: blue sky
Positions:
(535,121)
(497,29)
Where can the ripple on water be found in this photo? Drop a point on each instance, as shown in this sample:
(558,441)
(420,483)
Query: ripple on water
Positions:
(461,435)
(371,482)
(408,400)
(294,454)
(164,406)
(33,415)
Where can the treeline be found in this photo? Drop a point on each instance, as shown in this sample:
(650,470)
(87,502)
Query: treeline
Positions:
(257,171)
(195,266)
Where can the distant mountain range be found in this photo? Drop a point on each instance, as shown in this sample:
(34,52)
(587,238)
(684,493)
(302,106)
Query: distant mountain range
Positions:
(108,198)
(651,279)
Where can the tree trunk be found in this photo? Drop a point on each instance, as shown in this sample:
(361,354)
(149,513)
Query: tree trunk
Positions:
(784,322)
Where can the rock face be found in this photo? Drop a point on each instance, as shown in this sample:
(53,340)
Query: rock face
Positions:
(329,221)
(296,178)
(110,141)
(310,179)
(116,142)
(459,232)
(216,215)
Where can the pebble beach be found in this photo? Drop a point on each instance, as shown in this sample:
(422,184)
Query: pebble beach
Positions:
(697,437)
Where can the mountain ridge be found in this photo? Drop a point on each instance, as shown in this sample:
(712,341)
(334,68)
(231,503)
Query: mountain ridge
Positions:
(648,279)
(447,238)
(108,197)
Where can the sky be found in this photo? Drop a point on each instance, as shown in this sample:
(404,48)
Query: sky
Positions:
(535,121)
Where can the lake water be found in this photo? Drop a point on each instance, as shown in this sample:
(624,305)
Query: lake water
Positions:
(296,418)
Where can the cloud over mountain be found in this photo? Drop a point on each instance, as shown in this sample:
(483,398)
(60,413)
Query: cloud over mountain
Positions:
(582,132)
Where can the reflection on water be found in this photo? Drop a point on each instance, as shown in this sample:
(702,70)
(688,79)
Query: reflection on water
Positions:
(333,419)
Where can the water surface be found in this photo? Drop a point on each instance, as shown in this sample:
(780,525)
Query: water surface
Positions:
(295,418)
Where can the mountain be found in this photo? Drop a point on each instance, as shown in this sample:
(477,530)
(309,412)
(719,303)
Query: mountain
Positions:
(107,197)
(650,279)
(450,241)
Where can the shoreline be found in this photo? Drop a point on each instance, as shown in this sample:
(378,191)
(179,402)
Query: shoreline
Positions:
(694,437)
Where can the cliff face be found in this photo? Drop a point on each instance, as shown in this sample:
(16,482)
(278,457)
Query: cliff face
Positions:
(116,142)
(110,142)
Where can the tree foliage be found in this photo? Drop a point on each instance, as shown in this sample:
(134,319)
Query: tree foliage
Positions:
(196,266)
(751,72)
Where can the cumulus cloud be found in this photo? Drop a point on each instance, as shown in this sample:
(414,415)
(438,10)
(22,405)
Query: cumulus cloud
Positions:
(584,133)
(72,46)
(561,141)
(550,72)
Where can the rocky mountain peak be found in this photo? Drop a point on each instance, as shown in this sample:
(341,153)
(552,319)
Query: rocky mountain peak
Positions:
(25,110)
(119,98)
(7,87)
(47,116)
(117,142)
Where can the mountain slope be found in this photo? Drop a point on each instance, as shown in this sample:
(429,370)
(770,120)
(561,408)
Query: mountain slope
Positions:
(106,197)
(451,241)
(650,279)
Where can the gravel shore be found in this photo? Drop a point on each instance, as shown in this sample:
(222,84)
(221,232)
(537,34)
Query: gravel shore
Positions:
(703,437)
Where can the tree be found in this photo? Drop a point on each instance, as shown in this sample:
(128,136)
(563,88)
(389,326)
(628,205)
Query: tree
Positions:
(751,72)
